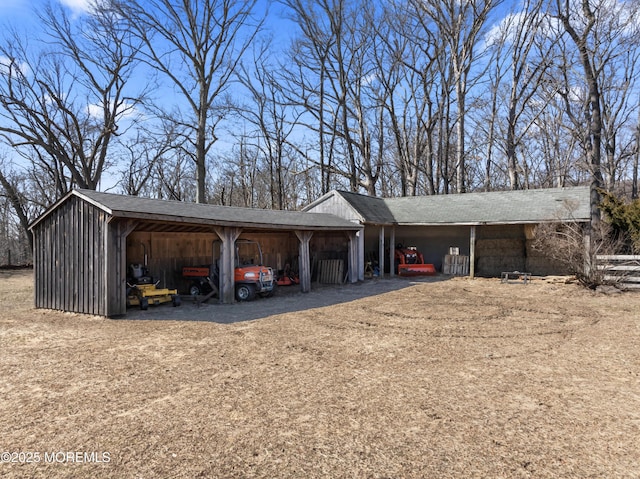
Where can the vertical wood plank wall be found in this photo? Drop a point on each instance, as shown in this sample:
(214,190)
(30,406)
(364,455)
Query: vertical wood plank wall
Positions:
(69,252)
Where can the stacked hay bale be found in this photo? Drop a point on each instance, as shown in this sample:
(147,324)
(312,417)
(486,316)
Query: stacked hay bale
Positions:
(536,261)
(495,255)
(511,248)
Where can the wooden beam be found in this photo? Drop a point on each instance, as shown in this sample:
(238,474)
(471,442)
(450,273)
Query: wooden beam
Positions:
(392,252)
(472,252)
(353,256)
(304,264)
(228,236)
(116,266)
(361,258)
(381,251)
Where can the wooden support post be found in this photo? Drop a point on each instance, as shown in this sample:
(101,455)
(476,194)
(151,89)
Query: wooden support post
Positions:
(392,252)
(472,252)
(381,252)
(353,257)
(304,264)
(361,258)
(228,236)
(116,271)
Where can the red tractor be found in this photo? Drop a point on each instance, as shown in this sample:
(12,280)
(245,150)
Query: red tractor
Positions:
(410,262)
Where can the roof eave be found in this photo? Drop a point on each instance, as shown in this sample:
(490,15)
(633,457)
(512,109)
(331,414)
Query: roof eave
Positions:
(116,214)
(62,200)
(491,223)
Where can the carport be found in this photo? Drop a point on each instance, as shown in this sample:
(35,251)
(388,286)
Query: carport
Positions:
(80,244)
(495,230)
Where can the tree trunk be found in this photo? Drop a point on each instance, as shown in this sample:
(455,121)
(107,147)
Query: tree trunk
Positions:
(636,157)
(14,199)
(594,113)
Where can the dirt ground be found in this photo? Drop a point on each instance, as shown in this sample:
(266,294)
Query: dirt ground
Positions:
(446,378)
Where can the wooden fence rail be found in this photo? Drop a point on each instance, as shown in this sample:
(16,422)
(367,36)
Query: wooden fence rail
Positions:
(621,269)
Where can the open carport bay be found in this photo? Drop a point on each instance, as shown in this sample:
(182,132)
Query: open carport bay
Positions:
(167,253)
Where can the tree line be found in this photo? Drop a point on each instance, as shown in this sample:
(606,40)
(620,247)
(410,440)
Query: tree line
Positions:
(222,101)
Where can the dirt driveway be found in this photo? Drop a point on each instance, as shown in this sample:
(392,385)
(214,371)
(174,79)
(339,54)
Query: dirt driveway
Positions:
(287,299)
(399,378)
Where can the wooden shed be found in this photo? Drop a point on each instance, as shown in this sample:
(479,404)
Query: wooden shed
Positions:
(494,229)
(82,247)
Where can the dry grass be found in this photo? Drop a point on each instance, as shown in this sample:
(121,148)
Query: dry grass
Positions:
(442,379)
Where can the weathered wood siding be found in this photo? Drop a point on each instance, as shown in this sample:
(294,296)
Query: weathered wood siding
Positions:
(337,205)
(69,259)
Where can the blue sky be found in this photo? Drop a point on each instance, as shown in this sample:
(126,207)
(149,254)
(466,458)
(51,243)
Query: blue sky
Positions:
(16,11)
(26,7)
(23,13)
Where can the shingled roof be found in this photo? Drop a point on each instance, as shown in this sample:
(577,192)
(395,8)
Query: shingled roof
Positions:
(135,207)
(499,207)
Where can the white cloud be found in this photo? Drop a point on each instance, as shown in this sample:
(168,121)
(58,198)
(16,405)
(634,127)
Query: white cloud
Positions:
(78,6)
(6,66)
(505,29)
(127,110)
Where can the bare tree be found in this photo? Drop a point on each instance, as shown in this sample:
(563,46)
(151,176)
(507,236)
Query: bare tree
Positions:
(331,82)
(270,122)
(239,183)
(197,46)
(145,159)
(580,26)
(620,105)
(63,106)
(16,200)
(527,72)
(636,161)
(405,58)
(459,26)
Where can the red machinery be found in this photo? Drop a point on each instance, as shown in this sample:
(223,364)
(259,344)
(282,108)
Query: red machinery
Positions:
(250,276)
(410,262)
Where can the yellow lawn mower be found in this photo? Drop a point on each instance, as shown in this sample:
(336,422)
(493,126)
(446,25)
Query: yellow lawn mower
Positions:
(143,291)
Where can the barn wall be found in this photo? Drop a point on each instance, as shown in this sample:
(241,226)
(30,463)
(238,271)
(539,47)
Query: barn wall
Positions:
(325,246)
(115,260)
(69,253)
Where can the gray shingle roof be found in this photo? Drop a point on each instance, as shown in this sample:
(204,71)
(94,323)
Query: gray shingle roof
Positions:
(374,209)
(499,207)
(123,206)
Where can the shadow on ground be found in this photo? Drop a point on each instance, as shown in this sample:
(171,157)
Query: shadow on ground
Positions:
(286,300)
